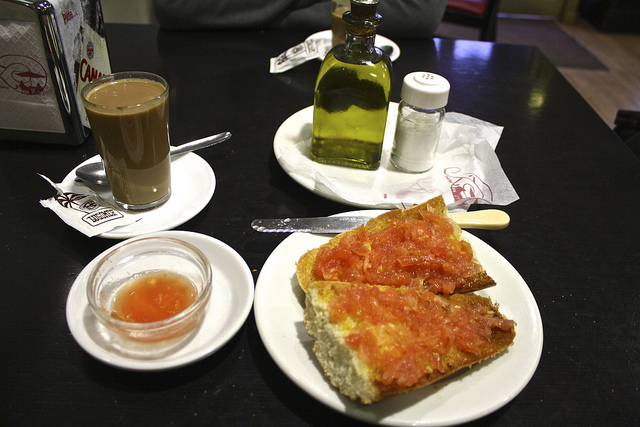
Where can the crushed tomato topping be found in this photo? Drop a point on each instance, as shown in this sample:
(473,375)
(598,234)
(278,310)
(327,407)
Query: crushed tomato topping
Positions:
(405,334)
(410,252)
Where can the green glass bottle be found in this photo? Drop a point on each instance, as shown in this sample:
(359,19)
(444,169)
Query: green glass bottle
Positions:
(351,98)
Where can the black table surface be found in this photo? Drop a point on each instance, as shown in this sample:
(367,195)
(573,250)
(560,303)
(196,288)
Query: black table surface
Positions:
(573,237)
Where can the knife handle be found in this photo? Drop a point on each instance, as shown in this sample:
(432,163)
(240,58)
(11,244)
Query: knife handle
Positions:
(487,219)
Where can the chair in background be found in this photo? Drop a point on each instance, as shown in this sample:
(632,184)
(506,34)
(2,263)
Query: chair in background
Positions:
(482,14)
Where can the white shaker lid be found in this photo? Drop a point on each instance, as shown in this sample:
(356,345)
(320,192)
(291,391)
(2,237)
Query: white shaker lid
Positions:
(425,90)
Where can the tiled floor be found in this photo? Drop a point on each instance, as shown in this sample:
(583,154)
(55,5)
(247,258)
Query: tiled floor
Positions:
(612,90)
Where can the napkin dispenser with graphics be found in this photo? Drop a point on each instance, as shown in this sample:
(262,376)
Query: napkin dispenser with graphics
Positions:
(48,51)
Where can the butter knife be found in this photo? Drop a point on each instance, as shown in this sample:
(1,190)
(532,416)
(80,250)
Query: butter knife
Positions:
(487,219)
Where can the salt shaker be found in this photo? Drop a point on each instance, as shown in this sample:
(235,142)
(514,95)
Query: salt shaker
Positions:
(420,115)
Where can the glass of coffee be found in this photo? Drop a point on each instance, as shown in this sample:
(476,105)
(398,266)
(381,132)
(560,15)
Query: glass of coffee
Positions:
(338,27)
(129,116)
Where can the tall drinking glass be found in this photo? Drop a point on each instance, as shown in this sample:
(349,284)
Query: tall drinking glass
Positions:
(338,27)
(129,117)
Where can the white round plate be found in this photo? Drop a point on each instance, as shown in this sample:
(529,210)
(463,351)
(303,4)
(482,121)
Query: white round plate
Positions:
(462,397)
(381,41)
(192,185)
(297,128)
(230,304)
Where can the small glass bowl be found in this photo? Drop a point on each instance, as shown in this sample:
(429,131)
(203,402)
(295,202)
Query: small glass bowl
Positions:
(148,255)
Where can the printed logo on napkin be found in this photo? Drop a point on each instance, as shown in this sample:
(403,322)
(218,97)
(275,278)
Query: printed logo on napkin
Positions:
(26,88)
(296,55)
(81,208)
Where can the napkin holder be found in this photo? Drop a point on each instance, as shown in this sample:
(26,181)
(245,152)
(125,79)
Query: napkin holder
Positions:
(48,51)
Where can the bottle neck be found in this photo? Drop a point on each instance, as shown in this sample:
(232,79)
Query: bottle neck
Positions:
(364,43)
(359,46)
(362,24)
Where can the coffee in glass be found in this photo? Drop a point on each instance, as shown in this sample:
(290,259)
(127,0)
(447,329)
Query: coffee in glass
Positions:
(129,117)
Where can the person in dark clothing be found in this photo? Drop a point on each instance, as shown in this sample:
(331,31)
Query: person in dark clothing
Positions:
(400,18)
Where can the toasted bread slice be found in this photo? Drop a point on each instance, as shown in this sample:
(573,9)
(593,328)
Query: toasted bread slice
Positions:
(476,280)
(377,341)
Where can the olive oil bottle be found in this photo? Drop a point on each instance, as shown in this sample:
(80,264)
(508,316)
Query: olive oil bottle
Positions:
(351,97)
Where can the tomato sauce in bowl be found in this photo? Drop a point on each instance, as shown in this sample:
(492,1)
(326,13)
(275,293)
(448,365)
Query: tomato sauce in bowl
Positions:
(152,297)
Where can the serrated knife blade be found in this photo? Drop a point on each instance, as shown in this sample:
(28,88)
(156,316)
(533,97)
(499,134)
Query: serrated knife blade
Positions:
(487,219)
(324,225)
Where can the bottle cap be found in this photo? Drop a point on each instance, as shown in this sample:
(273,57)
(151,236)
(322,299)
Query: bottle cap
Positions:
(364,9)
(425,90)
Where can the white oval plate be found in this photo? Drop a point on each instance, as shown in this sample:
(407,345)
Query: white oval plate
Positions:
(462,397)
(192,185)
(381,41)
(231,300)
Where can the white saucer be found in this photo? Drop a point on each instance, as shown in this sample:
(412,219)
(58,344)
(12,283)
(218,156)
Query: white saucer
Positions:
(467,169)
(192,185)
(231,300)
(463,397)
(297,128)
(381,41)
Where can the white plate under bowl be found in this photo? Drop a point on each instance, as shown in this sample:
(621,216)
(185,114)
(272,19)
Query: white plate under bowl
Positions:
(381,41)
(462,397)
(230,304)
(192,185)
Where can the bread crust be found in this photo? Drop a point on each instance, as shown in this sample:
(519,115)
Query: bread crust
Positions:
(305,265)
(347,371)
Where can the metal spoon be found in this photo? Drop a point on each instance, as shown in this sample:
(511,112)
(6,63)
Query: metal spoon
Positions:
(387,49)
(94,172)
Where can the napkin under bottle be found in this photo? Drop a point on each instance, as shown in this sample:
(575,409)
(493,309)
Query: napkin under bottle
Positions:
(467,170)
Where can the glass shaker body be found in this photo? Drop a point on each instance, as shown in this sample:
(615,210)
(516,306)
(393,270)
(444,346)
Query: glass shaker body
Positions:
(420,115)
(416,138)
